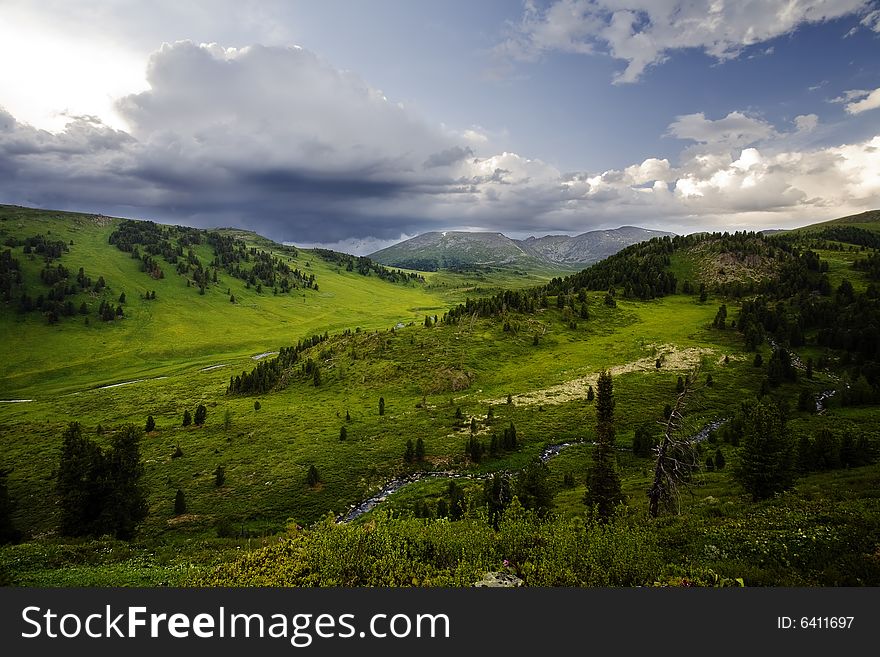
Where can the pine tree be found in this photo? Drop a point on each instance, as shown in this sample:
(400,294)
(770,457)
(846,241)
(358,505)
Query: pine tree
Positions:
(497,492)
(347,416)
(219,476)
(590,394)
(603,482)
(8,532)
(766,466)
(151,424)
(420,449)
(720,461)
(456,501)
(381,406)
(343,433)
(533,487)
(313,478)
(643,441)
(474,449)
(80,483)
(179,503)
(126,505)
(201,415)
(187,418)
(409,452)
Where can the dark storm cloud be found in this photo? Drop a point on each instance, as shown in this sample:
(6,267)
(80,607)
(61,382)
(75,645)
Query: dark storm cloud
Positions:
(277,141)
(448,157)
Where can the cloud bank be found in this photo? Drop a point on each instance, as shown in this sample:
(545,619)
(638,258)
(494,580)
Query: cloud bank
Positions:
(279,141)
(643,33)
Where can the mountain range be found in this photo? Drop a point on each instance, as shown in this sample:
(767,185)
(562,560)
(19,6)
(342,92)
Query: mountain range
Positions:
(457,249)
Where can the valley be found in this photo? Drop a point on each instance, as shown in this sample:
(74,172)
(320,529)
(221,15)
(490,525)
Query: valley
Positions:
(485,367)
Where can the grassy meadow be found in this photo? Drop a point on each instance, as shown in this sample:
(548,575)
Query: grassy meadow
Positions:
(171,354)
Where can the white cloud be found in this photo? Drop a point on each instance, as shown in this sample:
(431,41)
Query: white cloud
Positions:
(872,20)
(869,100)
(356,246)
(735,129)
(643,33)
(806,122)
(848,96)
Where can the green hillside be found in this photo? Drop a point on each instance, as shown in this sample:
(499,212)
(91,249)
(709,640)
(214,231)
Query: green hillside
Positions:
(869,220)
(508,355)
(181,329)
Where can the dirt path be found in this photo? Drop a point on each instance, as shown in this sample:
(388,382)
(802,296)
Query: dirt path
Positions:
(673,359)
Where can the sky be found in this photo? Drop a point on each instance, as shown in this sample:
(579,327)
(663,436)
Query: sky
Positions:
(356,124)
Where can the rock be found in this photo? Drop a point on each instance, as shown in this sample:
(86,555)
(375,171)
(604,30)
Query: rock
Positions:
(499,580)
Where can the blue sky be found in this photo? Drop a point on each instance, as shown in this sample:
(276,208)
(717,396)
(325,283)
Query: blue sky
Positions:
(360,123)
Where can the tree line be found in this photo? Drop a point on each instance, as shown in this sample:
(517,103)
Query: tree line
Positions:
(366,266)
(269,373)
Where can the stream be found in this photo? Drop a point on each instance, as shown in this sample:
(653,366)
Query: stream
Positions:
(823,397)
(546,454)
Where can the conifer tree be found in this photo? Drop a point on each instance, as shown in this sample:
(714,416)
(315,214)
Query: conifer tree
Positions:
(603,482)
(343,433)
(151,424)
(420,449)
(201,415)
(80,478)
(381,406)
(498,495)
(533,487)
(8,532)
(767,462)
(313,478)
(179,503)
(187,418)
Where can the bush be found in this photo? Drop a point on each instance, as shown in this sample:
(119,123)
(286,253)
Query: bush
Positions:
(436,552)
(179,503)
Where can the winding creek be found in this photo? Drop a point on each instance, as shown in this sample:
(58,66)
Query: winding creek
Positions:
(546,454)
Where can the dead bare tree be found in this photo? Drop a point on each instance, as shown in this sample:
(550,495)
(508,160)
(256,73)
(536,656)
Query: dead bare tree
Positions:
(676,455)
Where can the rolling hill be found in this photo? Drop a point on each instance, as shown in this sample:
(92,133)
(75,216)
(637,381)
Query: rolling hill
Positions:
(456,249)
(317,396)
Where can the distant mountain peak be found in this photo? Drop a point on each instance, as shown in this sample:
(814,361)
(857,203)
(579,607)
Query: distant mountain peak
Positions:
(452,249)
